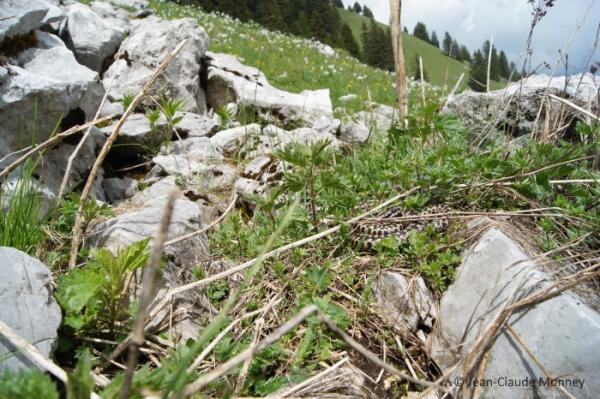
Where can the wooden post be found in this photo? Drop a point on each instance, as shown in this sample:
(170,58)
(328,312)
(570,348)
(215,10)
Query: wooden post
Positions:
(400,64)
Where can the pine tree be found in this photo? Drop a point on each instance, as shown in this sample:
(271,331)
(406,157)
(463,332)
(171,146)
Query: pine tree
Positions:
(420,32)
(465,54)
(434,39)
(477,81)
(367,12)
(447,44)
(405,30)
(348,41)
(269,14)
(338,3)
(503,65)
(456,53)
(357,8)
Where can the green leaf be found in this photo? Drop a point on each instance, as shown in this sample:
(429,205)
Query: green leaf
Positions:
(76,288)
(80,382)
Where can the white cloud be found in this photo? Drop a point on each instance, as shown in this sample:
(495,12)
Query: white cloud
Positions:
(473,21)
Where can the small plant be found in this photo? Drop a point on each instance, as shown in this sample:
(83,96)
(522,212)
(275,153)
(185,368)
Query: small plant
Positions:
(170,109)
(21,217)
(224,115)
(127,100)
(312,172)
(95,296)
(27,385)
(67,210)
(153,116)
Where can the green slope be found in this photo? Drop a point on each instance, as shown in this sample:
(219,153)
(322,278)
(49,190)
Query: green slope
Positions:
(441,69)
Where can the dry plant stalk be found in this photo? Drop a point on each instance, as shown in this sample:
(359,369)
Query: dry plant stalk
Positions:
(104,152)
(33,354)
(489,65)
(88,132)
(150,273)
(400,63)
(197,284)
(50,142)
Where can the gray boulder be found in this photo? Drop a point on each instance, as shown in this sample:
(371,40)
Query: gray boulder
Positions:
(232,140)
(91,38)
(405,303)
(229,80)
(27,306)
(117,189)
(54,17)
(49,83)
(354,133)
(188,156)
(563,333)
(327,125)
(378,117)
(194,125)
(514,110)
(137,4)
(140,217)
(116,17)
(18,17)
(148,44)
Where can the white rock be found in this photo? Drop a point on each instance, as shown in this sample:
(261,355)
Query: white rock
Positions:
(379,117)
(245,187)
(50,84)
(406,303)
(18,17)
(53,18)
(93,40)
(348,98)
(563,333)
(27,306)
(232,140)
(194,125)
(114,16)
(229,80)
(188,156)
(148,44)
(138,4)
(136,135)
(355,133)
(327,125)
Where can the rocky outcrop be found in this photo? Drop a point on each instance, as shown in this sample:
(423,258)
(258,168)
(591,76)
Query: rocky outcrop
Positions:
(228,80)
(138,135)
(19,17)
(515,110)
(45,84)
(92,39)
(378,117)
(149,42)
(560,332)
(27,306)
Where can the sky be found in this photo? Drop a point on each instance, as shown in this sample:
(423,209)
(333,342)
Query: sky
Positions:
(473,21)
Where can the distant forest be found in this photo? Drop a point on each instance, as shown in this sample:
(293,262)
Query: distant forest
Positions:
(320,19)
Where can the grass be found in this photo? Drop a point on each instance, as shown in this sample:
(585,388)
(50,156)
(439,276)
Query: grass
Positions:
(290,63)
(441,69)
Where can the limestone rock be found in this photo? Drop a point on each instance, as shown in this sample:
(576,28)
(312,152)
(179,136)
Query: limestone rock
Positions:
(18,17)
(118,189)
(562,332)
(229,80)
(27,306)
(48,83)
(232,140)
(92,39)
(148,44)
(406,303)
(354,133)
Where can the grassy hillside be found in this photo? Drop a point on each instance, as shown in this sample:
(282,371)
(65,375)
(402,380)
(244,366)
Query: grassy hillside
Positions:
(289,62)
(441,69)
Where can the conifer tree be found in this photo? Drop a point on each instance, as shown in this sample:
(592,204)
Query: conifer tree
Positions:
(503,65)
(465,54)
(456,53)
(357,8)
(367,12)
(434,39)
(478,72)
(420,32)
(447,44)
(348,41)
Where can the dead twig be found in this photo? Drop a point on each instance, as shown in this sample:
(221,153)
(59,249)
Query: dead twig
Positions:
(88,132)
(104,152)
(33,354)
(235,361)
(149,279)
(50,142)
